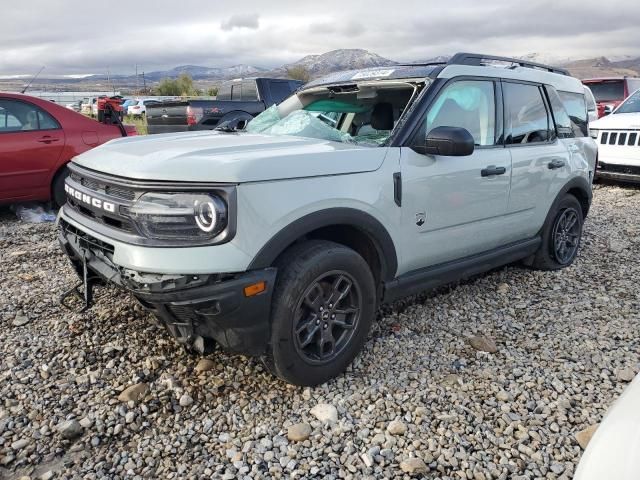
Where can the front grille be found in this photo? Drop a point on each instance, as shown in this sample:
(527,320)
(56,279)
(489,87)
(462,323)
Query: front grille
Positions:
(121,196)
(623,138)
(103,187)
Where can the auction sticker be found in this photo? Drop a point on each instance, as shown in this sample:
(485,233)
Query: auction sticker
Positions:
(373,74)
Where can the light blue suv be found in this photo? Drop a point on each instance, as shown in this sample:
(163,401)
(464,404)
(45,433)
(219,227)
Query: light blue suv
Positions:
(282,240)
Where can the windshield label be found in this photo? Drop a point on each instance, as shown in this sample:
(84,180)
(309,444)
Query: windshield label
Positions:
(373,74)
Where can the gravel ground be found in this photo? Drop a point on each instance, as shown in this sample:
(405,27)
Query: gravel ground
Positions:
(423,399)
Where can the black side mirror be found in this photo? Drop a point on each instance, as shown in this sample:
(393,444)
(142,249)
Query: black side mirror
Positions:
(608,109)
(449,142)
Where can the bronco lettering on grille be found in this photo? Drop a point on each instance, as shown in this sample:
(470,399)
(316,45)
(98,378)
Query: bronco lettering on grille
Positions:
(89,200)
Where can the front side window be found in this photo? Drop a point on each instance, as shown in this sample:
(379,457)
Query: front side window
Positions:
(526,117)
(468,104)
(631,104)
(16,116)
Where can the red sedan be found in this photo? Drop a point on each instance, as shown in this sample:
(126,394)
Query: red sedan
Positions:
(37,139)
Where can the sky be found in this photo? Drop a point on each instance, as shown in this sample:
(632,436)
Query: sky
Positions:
(83,36)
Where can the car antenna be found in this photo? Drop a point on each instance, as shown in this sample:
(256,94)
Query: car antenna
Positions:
(31,81)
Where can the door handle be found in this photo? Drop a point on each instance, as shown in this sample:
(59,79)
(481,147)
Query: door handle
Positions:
(47,139)
(492,170)
(554,164)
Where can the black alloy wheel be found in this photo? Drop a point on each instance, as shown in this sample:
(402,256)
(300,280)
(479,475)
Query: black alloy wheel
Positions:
(326,316)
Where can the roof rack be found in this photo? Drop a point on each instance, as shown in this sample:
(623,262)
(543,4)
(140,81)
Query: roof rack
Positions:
(420,64)
(477,59)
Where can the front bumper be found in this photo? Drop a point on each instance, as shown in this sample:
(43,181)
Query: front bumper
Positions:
(618,172)
(193,307)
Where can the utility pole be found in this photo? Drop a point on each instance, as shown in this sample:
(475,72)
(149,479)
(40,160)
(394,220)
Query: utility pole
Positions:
(137,86)
(144,82)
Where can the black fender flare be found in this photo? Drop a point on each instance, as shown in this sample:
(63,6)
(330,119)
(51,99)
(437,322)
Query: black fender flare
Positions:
(351,217)
(576,183)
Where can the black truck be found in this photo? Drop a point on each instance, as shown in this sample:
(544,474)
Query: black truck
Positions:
(237,101)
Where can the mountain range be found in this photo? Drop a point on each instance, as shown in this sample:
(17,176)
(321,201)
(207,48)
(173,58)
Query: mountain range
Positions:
(318,65)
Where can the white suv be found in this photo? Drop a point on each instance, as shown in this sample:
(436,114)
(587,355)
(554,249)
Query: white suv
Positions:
(360,188)
(618,138)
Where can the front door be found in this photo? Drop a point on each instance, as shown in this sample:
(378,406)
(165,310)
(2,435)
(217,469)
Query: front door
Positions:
(454,207)
(31,142)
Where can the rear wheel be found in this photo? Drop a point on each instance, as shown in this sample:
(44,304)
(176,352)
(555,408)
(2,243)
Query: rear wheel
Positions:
(561,235)
(323,306)
(58,194)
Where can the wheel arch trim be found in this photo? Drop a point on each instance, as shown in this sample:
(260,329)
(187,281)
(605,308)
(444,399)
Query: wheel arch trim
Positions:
(363,221)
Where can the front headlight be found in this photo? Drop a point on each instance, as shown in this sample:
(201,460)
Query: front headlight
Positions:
(594,133)
(192,217)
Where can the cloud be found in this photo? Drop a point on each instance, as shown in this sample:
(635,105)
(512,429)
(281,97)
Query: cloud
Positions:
(249,20)
(283,31)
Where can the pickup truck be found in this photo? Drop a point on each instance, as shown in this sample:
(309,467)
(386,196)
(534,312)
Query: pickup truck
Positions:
(237,101)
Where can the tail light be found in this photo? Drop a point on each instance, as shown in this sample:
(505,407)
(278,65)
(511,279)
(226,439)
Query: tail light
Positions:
(194,115)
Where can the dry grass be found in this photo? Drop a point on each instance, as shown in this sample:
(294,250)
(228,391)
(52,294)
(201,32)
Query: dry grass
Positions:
(139,122)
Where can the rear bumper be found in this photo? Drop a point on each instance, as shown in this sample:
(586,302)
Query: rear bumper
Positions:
(193,307)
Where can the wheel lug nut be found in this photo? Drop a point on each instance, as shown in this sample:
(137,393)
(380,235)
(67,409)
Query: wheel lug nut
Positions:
(326,325)
(333,316)
(321,309)
(331,305)
(317,322)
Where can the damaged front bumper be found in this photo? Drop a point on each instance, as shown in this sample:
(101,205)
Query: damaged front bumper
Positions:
(195,308)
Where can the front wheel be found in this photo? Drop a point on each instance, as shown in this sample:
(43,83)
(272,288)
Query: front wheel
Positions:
(58,194)
(324,304)
(561,235)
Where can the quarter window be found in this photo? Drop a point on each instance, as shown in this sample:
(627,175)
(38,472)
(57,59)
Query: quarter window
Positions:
(576,107)
(526,117)
(468,104)
(564,126)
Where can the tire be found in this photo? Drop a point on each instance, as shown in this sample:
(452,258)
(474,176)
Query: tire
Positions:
(330,334)
(58,194)
(562,229)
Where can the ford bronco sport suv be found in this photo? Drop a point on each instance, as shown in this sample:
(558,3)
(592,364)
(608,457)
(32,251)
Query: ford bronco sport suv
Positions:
(364,186)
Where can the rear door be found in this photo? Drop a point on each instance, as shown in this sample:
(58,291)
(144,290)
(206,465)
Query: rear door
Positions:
(540,161)
(450,208)
(31,142)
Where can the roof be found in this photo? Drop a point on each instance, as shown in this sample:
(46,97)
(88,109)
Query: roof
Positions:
(391,72)
(460,64)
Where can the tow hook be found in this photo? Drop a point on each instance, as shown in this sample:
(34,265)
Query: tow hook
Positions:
(83,291)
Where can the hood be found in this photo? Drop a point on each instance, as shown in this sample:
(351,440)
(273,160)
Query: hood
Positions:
(617,121)
(228,157)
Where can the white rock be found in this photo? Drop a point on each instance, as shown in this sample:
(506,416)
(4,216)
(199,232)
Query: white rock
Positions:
(325,413)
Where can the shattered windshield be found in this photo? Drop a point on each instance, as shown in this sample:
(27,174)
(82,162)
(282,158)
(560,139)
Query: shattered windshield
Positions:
(355,114)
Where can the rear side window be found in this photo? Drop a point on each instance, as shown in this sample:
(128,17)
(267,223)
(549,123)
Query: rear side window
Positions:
(236,92)
(576,106)
(225,92)
(526,117)
(249,92)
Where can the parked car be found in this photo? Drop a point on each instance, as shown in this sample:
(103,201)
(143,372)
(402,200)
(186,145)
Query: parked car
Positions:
(610,92)
(363,187)
(237,101)
(618,139)
(127,103)
(37,140)
(613,450)
(86,108)
(139,107)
